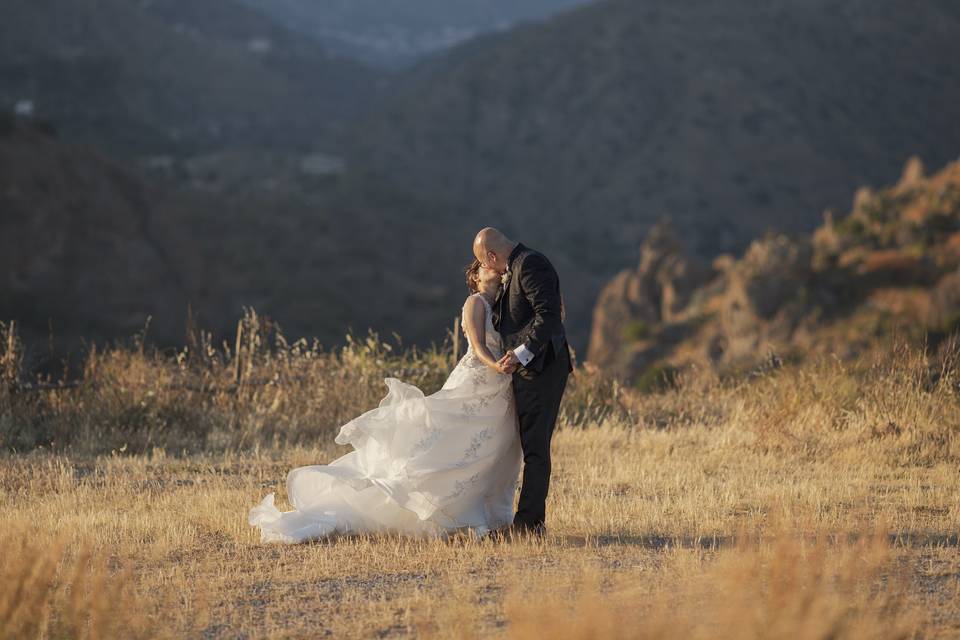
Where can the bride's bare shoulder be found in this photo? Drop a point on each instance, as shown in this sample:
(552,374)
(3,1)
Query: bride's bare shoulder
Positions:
(472,302)
(476,308)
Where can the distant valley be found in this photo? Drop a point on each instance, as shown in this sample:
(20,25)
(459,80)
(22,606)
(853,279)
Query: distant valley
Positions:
(397,33)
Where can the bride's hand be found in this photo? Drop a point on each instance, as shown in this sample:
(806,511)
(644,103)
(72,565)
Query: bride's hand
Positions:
(508,363)
(502,368)
(494,365)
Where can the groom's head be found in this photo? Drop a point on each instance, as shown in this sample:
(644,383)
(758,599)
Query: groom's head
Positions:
(492,249)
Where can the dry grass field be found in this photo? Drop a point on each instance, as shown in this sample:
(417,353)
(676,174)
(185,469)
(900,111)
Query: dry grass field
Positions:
(819,500)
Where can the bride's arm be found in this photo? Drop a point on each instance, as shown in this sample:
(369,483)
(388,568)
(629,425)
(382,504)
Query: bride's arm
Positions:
(474,324)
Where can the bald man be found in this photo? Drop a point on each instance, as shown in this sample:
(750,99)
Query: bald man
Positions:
(528,315)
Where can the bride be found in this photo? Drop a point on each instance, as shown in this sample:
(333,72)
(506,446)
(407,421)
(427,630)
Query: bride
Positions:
(421,465)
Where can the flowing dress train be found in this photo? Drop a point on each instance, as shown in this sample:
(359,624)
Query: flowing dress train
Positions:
(423,465)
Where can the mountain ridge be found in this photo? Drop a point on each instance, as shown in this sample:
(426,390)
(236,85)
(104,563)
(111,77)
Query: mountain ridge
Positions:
(171,75)
(578,133)
(399,33)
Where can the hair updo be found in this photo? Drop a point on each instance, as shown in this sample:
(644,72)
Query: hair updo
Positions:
(473,276)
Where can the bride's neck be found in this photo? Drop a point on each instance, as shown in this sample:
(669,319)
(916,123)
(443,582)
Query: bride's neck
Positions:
(489,292)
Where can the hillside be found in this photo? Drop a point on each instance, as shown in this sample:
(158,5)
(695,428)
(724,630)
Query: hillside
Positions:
(90,250)
(577,134)
(172,75)
(888,268)
(78,250)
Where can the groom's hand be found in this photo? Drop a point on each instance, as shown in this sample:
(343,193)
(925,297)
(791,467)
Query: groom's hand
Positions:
(509,362)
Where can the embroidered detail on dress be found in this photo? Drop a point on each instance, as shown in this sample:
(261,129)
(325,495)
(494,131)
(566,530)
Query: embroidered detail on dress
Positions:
(472,407)
(428,440)
(479,376)
(474,449)
(472,361)
(461,485)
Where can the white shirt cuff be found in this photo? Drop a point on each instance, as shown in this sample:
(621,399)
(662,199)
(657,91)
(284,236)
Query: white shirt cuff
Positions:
(523,354)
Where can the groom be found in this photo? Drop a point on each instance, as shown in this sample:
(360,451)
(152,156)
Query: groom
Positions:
(527,314)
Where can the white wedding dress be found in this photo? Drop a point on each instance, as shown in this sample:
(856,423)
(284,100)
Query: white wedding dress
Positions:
(421,465)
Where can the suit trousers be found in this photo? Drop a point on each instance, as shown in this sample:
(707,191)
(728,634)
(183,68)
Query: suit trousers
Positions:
(538,396)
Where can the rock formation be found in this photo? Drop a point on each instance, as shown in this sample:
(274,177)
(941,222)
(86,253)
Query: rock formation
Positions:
(656,294)
(890,265)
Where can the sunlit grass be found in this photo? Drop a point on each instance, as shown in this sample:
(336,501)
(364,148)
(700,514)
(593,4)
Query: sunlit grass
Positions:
(819,500)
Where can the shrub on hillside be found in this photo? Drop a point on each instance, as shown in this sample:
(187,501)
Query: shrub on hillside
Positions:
(659,377)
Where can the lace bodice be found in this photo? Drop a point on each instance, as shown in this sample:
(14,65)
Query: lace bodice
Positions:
(493,341)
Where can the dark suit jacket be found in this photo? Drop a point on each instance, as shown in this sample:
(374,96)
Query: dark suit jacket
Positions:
(527,310)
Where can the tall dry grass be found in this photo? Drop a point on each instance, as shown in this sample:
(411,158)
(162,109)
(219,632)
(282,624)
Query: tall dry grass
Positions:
(49,591)
(260,391)
(787,588)
(812,500)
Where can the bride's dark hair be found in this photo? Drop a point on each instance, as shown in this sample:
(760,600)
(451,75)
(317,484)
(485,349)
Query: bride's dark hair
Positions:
(473,276)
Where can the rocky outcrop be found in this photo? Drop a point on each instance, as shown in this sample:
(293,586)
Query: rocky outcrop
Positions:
(770,273)
(891,264)
(657,293)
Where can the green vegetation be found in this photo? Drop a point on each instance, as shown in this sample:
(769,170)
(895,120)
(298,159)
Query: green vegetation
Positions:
(947,329)
(657,378)
(636,330)
(850,226)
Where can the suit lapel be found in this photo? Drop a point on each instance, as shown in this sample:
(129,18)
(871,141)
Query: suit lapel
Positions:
(504,292)
(498,307)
